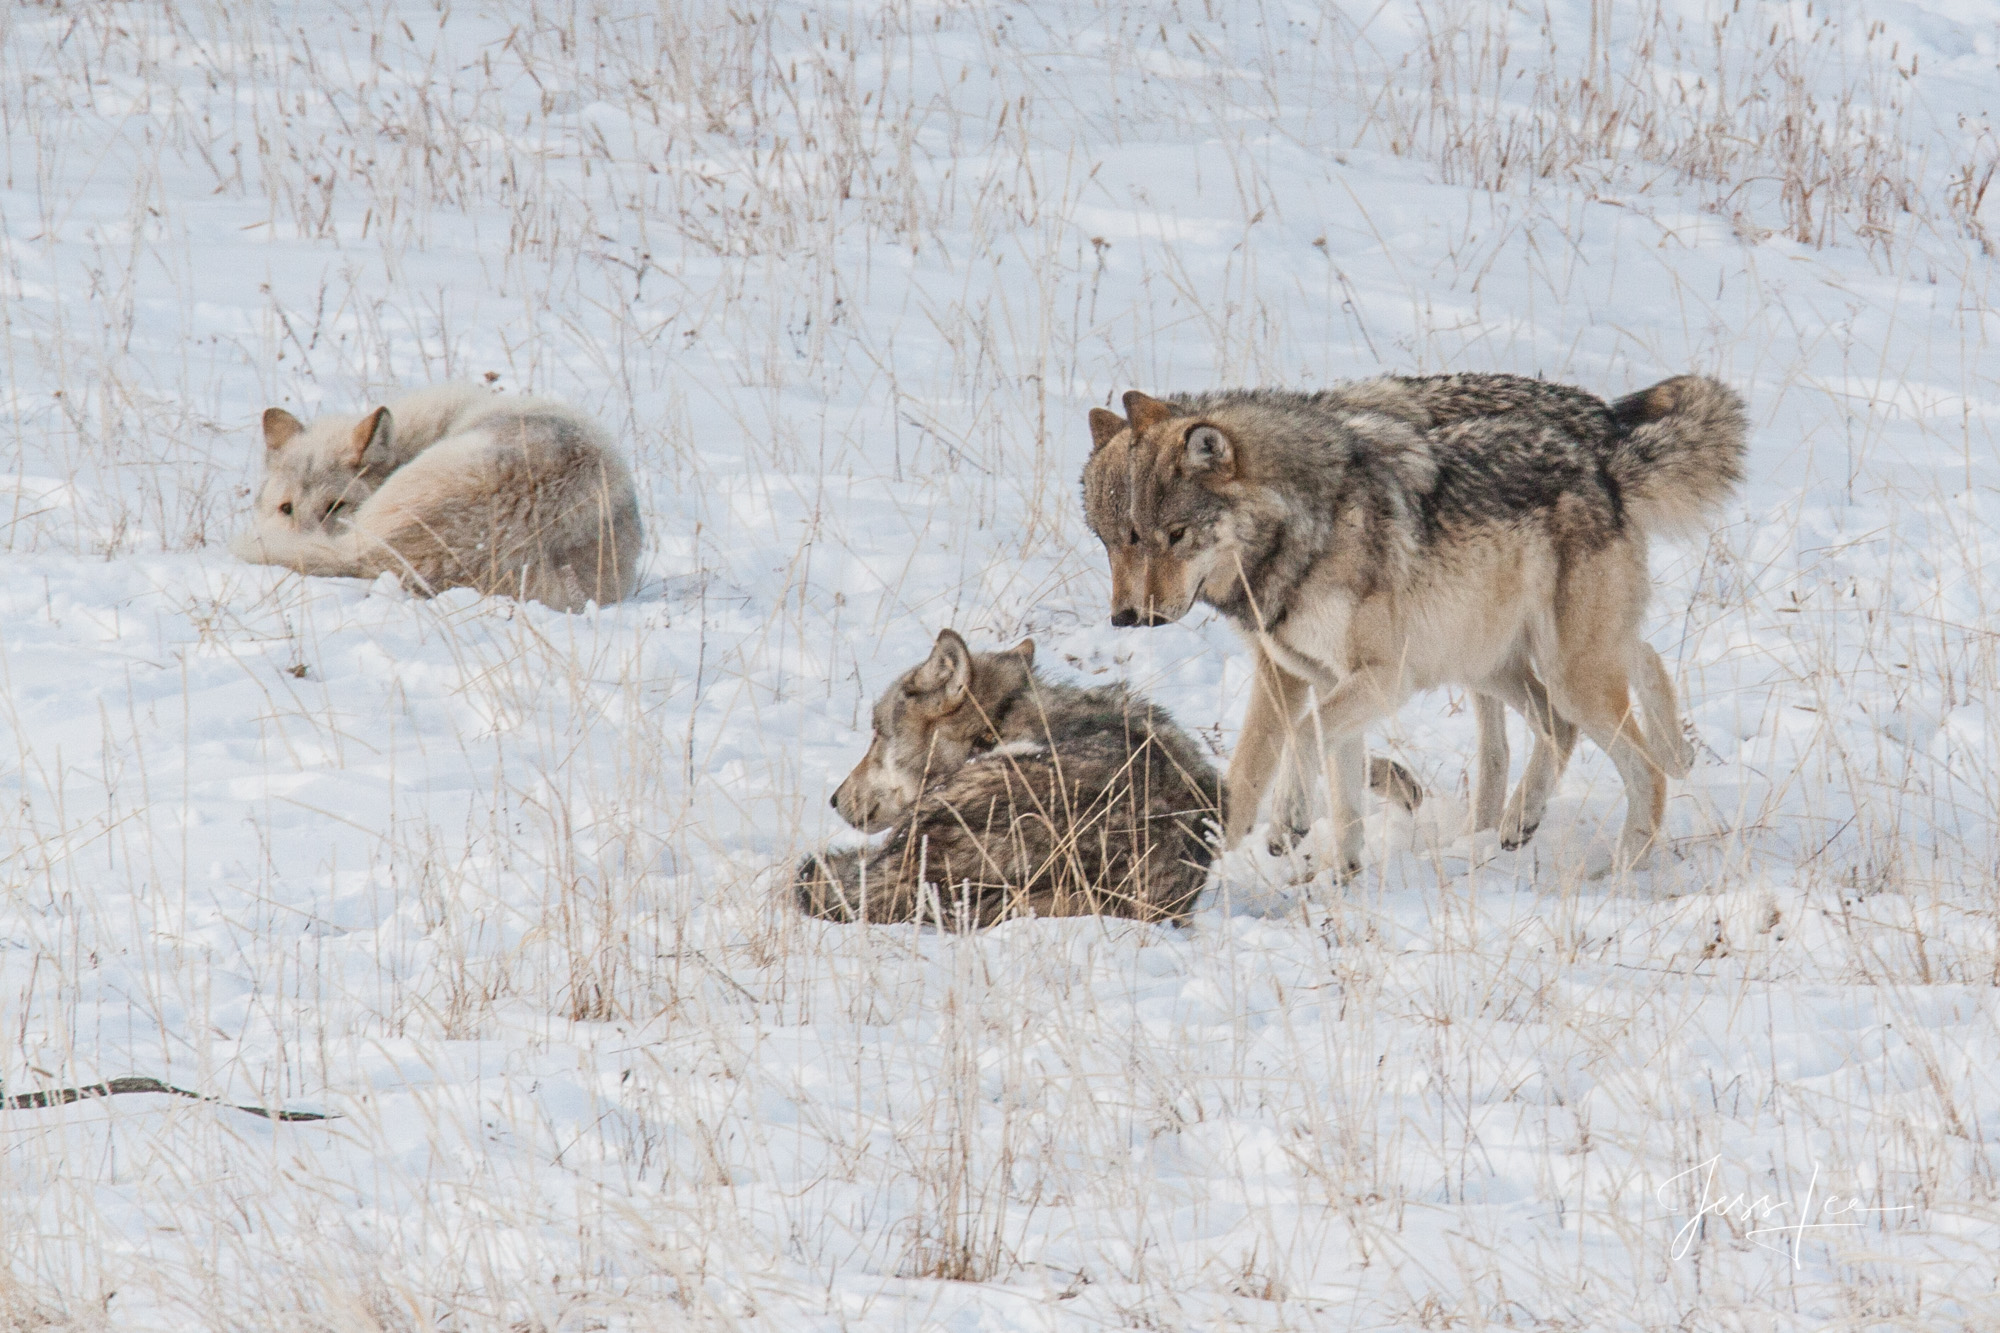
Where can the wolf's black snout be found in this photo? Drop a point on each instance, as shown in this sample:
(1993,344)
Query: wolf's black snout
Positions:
(834,800)
(1124,617)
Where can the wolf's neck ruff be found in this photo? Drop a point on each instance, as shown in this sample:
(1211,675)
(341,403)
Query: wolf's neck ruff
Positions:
(1257,589)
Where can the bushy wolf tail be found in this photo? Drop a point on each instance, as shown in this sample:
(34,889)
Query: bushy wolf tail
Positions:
(1681,452)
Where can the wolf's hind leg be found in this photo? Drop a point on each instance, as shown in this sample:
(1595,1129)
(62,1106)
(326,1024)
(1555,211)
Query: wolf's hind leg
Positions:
(1555,738)
(1599,696)
(1665,740)
(1489,777)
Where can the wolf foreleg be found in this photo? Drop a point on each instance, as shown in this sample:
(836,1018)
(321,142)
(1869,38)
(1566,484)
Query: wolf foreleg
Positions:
(1277,697)
(1347,779)
(1364,697)
(307,552)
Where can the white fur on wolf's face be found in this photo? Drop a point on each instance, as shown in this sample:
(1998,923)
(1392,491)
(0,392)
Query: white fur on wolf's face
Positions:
(312,479)
(909,751)
(926,725)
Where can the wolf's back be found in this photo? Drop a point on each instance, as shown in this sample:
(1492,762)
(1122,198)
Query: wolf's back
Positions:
(1680,453)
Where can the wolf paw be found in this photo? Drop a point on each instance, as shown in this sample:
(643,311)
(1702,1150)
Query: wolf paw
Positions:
(819,885)
(1284,838)
(1391,781)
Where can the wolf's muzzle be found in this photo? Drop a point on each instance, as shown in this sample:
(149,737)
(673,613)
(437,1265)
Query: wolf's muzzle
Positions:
(1126,617)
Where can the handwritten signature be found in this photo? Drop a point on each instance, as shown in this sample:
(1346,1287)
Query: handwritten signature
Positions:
(1743,1208)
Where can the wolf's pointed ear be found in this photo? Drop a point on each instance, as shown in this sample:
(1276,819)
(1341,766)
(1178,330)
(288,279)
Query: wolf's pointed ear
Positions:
(1145,412)
(1104,427)
(1025,650)
(947,671)
(369,446)
(1209,453)
(280,427)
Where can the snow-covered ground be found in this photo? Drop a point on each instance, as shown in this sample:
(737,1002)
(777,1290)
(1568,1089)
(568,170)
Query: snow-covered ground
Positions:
(495,885)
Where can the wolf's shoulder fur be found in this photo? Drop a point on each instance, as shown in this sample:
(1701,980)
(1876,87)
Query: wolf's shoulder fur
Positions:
(1455,448)
(1060,715)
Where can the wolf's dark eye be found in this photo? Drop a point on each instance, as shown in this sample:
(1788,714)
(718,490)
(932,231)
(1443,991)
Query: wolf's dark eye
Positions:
(332,509)
(286,509)
(1174,535)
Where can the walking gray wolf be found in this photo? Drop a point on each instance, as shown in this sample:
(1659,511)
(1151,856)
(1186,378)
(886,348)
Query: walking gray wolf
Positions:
(1397,534)
(448,487)
(1006,794)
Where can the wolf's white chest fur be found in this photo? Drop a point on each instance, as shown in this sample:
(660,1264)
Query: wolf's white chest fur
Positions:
(1312,643)
(1433,636)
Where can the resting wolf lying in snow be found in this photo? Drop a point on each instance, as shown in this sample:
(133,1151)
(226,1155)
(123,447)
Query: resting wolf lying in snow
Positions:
(1009,795)
(451,486)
